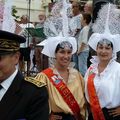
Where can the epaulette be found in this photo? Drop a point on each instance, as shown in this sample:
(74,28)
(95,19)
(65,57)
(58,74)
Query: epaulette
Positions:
(34,81)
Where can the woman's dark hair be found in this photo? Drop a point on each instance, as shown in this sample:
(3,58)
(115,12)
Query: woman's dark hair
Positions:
(62,45)
(105,41)
(87,17)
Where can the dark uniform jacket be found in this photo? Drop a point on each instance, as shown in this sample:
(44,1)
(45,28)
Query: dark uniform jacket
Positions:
(24,101)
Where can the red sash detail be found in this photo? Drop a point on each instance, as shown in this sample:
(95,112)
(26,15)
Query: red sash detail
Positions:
(94,101)
(65,93)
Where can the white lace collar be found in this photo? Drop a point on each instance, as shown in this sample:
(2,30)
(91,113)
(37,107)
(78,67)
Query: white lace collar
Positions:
(95,61)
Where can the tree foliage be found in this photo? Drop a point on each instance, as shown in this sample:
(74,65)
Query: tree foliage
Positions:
(14,12)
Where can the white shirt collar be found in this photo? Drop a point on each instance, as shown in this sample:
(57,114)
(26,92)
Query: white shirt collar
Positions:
(6,83)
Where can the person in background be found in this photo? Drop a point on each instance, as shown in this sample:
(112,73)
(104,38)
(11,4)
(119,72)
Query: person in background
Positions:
(88,7)
(19,98)
(41,60)
(66,100)
(25,48)
(42,18)
(75,25)
(83,48)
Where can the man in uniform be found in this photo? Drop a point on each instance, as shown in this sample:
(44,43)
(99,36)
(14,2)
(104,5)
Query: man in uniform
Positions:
(19,98)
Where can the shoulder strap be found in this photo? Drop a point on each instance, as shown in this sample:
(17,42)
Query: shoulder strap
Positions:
(34,81)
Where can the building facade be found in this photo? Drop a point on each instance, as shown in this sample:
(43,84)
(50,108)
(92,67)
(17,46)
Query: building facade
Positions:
(31,8)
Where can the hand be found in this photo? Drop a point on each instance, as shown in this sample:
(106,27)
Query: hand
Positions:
(115,112)
(55,117)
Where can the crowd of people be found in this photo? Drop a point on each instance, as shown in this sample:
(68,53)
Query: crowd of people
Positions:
(77,68)
(34,61)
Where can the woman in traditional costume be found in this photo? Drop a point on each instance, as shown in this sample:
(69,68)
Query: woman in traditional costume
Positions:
(102,80)
(64,83)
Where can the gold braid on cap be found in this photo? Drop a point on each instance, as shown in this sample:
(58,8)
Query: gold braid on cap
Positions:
(9,45)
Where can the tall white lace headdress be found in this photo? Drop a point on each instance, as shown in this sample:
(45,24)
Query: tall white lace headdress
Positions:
(56,28)
(7,22)
(107,26)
